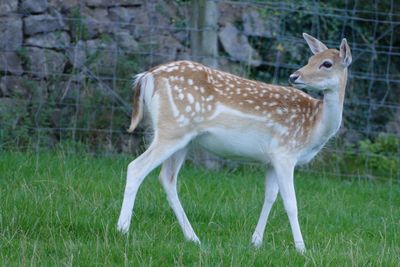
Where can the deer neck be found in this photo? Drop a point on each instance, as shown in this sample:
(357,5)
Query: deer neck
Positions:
(332,109)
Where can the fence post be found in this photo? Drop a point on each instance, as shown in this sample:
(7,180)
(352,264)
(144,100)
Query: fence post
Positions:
(204,35)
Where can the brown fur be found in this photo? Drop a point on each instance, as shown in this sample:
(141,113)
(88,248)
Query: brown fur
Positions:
(137,105)
(278,103)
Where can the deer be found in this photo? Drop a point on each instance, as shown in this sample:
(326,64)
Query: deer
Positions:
(279,126)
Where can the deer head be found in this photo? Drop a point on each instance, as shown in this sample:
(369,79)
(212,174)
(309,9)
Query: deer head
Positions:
(325,69)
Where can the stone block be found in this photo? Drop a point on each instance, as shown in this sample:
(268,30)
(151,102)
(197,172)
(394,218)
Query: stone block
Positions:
(10,63)
(11,33)
(63,5)
(44,23)
(56,40)
(8,6)
(90,23)
(126,41)
(123,14)
(255,25)
(13,86)
(44,62)
(237,46)
(34,6)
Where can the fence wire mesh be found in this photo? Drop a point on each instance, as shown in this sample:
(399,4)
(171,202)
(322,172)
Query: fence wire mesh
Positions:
(66,69)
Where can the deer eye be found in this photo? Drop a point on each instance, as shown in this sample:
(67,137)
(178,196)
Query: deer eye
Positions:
(326,64)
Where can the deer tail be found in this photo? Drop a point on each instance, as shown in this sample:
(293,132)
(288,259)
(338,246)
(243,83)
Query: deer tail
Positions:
(138,101)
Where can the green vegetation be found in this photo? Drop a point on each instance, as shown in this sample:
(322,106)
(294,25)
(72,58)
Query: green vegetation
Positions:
(23,55)
(76,22)
(61,209)
(375,158)
(380,156)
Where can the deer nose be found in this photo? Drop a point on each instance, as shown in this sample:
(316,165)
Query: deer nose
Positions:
(293,77)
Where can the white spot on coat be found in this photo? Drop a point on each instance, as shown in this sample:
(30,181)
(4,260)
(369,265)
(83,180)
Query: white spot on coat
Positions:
(197,107)
(190,98)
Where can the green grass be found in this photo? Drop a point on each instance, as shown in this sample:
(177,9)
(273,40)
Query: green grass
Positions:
(58,209)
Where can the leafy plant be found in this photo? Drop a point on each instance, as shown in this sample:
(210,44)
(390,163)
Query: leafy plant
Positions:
(381,155)
(77,25)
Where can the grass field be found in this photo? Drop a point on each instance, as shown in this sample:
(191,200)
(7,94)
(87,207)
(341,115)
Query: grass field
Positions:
(59,209)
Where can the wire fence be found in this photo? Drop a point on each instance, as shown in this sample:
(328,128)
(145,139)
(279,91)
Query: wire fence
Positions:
(67,78)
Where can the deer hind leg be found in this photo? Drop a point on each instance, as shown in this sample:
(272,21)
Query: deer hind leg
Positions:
(138,169)
(284,173)
(271,192)
(168,178)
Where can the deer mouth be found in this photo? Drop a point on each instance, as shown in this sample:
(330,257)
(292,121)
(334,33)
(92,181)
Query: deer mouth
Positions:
(299,85)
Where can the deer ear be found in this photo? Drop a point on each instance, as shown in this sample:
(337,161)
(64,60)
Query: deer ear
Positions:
(315,45)
(345,53)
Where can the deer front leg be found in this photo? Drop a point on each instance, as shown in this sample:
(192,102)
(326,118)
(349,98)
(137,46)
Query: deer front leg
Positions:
(284,172)
(168,178)
(271,192)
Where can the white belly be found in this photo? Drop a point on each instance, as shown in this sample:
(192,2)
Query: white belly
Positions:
(237,144)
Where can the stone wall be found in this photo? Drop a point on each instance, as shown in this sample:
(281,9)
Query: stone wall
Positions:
(43,37)
(62,62)
(66,66)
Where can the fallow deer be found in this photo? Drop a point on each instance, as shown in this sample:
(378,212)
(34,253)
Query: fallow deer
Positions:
(277,125)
